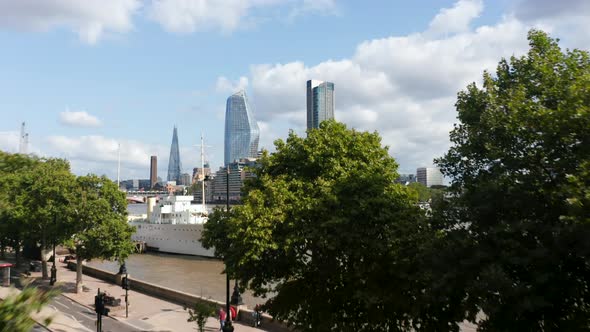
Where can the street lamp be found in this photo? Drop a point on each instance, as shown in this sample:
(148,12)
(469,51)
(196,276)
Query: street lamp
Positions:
(227,327)
(53,277)
(125,285)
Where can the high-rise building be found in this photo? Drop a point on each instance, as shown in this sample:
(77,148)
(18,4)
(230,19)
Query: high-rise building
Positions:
(241,130)
(240,171)
(174,166)
(429,176)
(320,102)
(153,171)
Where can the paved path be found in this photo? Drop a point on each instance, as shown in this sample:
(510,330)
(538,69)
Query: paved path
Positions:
(146,313)
(75,312)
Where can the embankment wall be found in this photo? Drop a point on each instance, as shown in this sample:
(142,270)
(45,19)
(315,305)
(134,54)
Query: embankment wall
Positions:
(178,297)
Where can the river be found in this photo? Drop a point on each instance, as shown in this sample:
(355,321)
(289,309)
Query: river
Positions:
(190,274)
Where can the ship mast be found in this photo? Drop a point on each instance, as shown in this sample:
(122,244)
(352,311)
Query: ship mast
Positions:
(203,169)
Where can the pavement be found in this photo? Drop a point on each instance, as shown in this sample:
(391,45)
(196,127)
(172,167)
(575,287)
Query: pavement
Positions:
(75,312)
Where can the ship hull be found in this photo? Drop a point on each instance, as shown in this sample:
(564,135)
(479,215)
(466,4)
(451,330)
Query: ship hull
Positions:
(172,238)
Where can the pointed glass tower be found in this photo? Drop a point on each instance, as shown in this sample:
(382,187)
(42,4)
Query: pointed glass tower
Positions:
(174,160)
(241,130)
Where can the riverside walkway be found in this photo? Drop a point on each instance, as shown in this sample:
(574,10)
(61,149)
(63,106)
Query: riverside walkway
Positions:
(75,312)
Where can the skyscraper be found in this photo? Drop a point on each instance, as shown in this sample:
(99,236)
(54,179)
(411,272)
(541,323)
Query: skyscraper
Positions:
(320,102)
(429,176)
(174,160)
(241,130)
(153,171)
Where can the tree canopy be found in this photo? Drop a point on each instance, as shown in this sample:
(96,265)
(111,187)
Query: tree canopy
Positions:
(101,229)
(324,230)
(517,223)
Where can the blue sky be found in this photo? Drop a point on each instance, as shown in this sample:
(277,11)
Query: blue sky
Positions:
(86,76)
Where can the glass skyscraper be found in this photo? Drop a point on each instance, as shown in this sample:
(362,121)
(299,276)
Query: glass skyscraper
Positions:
(320,102)
(174,166)
(241,130)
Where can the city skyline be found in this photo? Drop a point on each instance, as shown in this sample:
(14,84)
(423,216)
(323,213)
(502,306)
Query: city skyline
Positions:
(124,72)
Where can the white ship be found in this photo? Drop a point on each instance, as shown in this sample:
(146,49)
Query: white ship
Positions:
(174,225)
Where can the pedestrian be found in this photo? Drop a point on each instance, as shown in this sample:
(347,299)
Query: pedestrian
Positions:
(222,316)
(234,313)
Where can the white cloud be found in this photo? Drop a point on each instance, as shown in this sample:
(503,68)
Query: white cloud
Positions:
(90,19)
(225,85)
(9,141)
(99,154)
(186,16)
(402,86)
(78,119)
(457,18)
(198,15)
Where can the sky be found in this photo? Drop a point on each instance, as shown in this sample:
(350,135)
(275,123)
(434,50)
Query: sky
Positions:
(89,76)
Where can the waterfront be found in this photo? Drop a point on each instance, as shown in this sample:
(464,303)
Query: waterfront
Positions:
(199,276)
(190,274)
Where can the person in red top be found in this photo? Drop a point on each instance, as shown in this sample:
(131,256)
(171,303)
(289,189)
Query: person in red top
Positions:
(222,316)
(234,313)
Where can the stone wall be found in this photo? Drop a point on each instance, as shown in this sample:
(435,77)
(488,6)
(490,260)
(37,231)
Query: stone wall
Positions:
(181,298)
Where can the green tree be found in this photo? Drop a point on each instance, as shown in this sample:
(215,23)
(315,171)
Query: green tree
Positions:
(13,196)
(514,243)
(17,308)
(48,188)
(324,230)
(101,224)
(199,314)
(423,192)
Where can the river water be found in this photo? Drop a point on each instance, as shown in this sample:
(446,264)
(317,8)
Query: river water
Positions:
(190,274)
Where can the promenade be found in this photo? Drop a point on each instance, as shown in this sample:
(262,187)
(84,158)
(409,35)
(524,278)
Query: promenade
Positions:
(75,312)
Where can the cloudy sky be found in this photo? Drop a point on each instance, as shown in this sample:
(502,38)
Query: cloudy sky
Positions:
(89,75)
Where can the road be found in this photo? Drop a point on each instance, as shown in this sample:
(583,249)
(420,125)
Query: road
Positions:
(87,317)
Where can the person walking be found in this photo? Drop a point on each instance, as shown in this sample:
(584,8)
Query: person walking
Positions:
(222,316)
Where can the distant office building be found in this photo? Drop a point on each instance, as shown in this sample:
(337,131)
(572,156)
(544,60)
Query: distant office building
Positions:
(174,166)
(240,171)
(320,102)
(429,176)
(241,130)
(199,174)
(406,179)
(153,171)
(209,180)
(186,179)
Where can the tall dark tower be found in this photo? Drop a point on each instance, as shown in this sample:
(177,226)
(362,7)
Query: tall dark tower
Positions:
(174,161)
(153,171)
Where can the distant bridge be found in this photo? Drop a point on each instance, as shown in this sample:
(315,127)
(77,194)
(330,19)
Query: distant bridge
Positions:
(146,193)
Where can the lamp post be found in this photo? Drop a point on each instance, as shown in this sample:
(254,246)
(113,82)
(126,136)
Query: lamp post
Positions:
(53,277)
(227,326)
(125,285)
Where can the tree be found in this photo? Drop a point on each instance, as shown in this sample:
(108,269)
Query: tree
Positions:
(13,195)
(102,230)
(48,188)
(423,192)
(324,228)
(199,314)
(513,225)
(17,308)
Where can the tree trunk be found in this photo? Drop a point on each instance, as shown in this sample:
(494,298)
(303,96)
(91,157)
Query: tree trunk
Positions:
(2,251)
(44,273)
(78,274)
(16,255)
